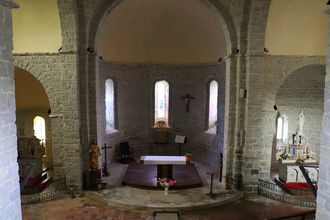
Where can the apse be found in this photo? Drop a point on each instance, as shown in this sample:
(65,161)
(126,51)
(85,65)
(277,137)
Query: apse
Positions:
(161,32)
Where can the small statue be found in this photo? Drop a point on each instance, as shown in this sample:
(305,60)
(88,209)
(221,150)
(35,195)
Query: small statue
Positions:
(161,124)
(301,120)
(94,153)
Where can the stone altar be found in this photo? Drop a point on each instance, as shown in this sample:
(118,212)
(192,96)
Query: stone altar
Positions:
(30,151)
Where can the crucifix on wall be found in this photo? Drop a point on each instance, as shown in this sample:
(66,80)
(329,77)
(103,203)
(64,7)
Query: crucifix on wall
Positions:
(187,99)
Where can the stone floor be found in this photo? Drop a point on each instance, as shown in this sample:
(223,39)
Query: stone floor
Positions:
(121,203)
(250,208)
(176,200)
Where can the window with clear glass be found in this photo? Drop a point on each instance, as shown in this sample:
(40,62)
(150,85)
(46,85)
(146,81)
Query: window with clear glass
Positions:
(110,105)
(282,131)
(161,101)
(39,128)
(213,106)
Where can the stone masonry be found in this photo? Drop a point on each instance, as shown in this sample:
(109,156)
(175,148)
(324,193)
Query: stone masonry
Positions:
(10,203)
(57,74)
(323,194)
(135,113)
(252,81)
(304,90)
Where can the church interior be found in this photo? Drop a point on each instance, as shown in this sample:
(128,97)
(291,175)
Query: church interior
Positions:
(154,109)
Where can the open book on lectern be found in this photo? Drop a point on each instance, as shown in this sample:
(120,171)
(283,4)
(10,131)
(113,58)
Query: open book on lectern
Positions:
(180,139)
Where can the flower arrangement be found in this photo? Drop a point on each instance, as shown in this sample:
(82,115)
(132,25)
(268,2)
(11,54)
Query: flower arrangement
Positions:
(188,157)
(285,156)
(166,183)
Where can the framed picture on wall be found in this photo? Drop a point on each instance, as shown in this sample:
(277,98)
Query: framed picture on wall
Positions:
(296,139)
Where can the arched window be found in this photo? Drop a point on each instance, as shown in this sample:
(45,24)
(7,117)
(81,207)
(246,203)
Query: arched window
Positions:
(213,106)
(282,131)
(110,105)
(39,128)
(161,101)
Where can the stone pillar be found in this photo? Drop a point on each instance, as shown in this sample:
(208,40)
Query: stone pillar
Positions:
(10,202)
(58,150)
(323,194)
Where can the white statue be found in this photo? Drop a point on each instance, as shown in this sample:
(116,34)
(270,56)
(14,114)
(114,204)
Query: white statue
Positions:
(301,120)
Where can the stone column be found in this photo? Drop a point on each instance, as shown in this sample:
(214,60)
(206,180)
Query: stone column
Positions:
(10,202)
(58,149)
(323,194)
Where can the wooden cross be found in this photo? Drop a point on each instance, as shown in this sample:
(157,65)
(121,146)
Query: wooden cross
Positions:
(187,98)
(105,167)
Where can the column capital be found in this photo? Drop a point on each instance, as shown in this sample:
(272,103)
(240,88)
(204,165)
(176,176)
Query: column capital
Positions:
(9,4)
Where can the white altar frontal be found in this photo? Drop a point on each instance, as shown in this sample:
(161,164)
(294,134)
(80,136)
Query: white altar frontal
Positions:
(291,173)
(164,164)
(163,160)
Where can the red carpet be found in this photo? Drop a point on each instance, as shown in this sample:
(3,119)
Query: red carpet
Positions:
(296,185)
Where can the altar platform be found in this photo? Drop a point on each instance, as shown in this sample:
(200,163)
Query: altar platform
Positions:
(130,198)
(145,176)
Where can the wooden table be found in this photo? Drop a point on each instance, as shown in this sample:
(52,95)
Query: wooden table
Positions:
(164,164)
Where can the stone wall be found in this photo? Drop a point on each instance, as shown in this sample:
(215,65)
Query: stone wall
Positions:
(266,75)
(304,90)
(24,123)
(323,193)
(135,104)
(234,17)
(58,75)
(10,203)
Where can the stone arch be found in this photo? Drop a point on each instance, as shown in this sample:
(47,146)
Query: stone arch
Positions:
(41,78)
(27,112)
(69,25)
(222,12)
(264,82)
(230,30)
(258,20)
(40,70)
(291,69)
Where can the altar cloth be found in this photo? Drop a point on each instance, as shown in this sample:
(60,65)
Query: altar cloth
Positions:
(164,160)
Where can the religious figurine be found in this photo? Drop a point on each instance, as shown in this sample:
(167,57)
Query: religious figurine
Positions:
(301,120)
(94,152)
(310,154)
(161,124)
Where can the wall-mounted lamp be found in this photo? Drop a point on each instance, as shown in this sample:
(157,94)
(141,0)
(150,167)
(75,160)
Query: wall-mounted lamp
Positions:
(266,50)
(90,50)
(235,51)
(100,57)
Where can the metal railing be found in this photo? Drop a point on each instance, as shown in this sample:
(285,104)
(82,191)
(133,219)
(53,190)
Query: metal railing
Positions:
(55,189)
(272,191)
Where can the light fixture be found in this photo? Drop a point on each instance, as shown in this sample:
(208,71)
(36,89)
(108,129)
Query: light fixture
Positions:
(90,50)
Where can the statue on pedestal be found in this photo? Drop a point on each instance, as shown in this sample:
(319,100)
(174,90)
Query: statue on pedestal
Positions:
(94,152)
(95,172)
(301,120)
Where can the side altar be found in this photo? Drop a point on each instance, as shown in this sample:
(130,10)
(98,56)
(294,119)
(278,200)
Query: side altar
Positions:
(296,153)
(291,156)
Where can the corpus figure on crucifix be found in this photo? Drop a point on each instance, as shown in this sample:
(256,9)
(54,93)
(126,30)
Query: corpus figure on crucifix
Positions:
(187,98)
